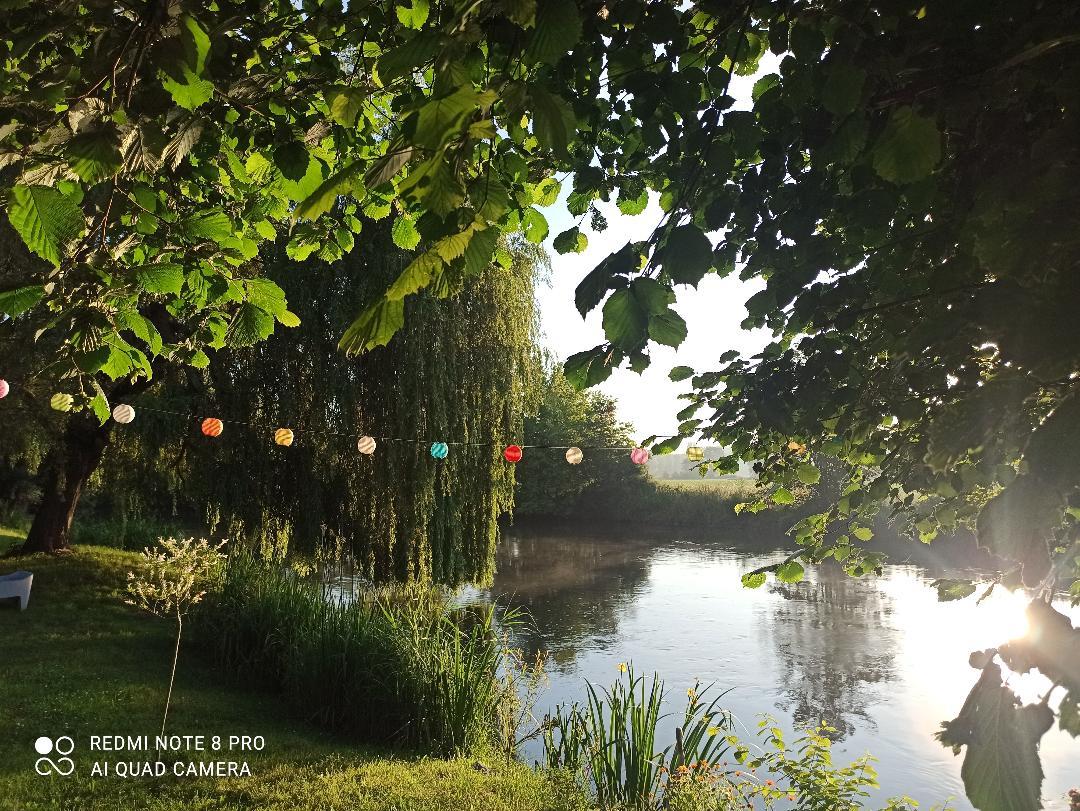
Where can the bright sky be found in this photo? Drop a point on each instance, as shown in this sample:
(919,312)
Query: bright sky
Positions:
(712,313)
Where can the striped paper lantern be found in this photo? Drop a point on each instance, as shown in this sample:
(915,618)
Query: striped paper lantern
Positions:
(212,426)
(574,455)
(639,456)
(366,445)
(512,453)
(123,413)
(62,402)
(439,450)
(4,389)
(695,454)
(283,436)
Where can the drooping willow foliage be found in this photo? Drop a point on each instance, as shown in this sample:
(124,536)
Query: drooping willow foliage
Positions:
(463,369)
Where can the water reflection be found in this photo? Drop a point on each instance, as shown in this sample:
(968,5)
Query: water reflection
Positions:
(878,659)
(834,643)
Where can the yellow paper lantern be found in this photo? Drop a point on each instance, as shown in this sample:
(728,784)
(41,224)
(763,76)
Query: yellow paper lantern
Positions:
(283,436)
(366,445)
(123,413)
(695,454)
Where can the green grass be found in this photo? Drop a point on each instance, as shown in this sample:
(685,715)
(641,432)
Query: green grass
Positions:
(79,662)
(728,489)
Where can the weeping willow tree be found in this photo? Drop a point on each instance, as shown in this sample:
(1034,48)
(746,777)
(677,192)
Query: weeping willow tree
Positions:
(462,370)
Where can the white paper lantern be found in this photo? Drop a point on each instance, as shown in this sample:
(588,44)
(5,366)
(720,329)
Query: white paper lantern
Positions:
(366,445)
(123,413)
(574,456)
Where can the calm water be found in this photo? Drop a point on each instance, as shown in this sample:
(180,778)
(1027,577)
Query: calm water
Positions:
(879,659)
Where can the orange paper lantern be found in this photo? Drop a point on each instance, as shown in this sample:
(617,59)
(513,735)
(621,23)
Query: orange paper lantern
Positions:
(212,426)
(283,436)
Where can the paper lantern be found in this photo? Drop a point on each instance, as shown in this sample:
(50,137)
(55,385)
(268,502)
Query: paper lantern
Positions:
(574,456)
(512,453)
(62,402)
(639,456)
(366,444)
(123,413)
(695,454)
(283,436)
(4,389)
(439,450)
(212,426)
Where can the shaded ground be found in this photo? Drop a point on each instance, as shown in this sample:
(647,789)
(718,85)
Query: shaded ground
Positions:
(78,662)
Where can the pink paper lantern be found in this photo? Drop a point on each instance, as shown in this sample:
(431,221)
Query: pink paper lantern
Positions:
(639,456)
(4,389)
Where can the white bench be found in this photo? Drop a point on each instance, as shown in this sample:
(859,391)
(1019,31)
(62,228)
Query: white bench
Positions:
(17,584)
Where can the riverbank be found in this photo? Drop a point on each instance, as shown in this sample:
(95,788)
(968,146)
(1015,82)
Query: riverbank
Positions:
(79,662)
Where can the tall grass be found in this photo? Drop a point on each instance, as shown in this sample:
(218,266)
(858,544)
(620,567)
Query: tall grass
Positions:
(612,740)
(389,666)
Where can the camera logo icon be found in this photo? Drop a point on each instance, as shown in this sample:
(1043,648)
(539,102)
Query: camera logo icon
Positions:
(62,765)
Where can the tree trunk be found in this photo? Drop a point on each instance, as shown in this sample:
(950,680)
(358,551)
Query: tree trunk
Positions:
(66,468)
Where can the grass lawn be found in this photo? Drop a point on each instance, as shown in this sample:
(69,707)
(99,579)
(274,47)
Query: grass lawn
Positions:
(79,662)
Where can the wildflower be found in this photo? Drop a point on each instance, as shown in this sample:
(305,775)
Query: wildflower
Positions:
(622,667)
(711,731)
(691,693)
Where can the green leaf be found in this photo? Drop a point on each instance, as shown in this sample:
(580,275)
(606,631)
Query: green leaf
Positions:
(1001,770)
(686,255)
(250,325)
(481,248)
(346,103)
(91,362)
(808,474)
(1069,713)
(625,320)
(553,120)
(164,277)
(95,155)
(407,57)
(413,16)
(558,29)
(435,184)
(667,328)
(292,159)
(266,295)
(21,299)
(587,368)
(440,119)
(680,373)
(46,220)
(909,148)
(782,496)
(790,572)
(535,226)
(416,276)
(862,533)
(210,224)
(375,326)
(404,233)
(190,93)
(949,590)
(633,206)
(753,580)
(843,88)
(570,241)
(288,319)
(323,198)
(547,192)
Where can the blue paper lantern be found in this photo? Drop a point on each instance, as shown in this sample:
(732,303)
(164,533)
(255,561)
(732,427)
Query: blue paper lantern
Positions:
(439,450)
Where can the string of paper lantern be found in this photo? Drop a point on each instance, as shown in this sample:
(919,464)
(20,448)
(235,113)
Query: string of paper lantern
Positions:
(213,427)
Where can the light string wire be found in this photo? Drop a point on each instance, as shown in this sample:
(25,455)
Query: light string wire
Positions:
(353,434)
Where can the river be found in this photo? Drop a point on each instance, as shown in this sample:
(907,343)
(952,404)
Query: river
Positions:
(879,659)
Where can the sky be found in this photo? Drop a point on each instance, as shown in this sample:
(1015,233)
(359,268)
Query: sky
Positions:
(712,312)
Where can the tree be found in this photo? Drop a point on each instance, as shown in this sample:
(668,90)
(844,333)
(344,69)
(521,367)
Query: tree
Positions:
(903,186)
(147,151)
(547,485)
(461,370)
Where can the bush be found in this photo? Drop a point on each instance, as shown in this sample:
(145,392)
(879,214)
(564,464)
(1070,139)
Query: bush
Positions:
(394,665)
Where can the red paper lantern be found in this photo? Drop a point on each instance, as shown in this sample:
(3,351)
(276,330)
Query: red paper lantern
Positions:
(212,426)
(512,453)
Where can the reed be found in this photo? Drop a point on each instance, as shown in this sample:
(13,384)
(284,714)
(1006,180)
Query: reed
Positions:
(388,665)
(612,740)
